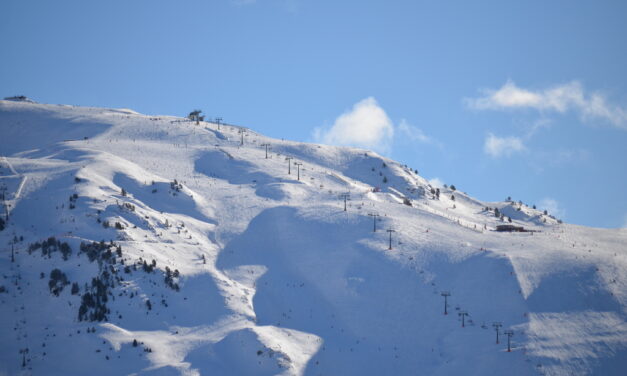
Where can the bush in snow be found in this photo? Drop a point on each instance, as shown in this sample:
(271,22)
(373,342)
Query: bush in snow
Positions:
(75,288)
(176,186)
(73,199)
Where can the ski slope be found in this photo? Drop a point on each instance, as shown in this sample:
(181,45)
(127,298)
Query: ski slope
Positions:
(202,255)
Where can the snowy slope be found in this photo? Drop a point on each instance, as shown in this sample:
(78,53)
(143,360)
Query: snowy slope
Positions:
(181,251)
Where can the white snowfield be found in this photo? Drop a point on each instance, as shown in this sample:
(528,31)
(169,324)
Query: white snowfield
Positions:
(261,272)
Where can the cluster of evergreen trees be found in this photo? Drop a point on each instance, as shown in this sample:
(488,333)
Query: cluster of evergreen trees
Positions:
(93,306)
(170,278)
(58,280)
(94,300)
(73,199)
(436,193)
(94,303)
(101,251)
(175,186)
(49,246)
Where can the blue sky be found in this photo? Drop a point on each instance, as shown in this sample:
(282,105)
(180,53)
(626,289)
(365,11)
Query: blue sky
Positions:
(521,99)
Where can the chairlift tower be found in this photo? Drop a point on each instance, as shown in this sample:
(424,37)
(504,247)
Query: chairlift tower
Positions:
(345,196)
(463,315)
(242,131)
(509,334)
(266,146)
(298,164)
(289,169)
(497,326)
(374,221)
(390,231)
(445,294)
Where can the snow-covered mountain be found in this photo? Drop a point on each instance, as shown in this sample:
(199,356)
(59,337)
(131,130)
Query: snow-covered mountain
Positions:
(152,245)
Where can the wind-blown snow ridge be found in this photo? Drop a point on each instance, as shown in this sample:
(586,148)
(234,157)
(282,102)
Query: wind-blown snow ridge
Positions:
(155,245)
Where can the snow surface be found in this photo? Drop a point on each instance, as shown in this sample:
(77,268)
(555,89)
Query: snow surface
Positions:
(273,276)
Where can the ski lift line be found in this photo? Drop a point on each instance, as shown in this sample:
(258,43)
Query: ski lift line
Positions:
(458,221)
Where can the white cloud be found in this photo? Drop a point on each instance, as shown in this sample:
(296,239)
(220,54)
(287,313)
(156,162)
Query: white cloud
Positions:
(436,182)
(413,133)
(502,146)
(561,98)
(552,207)
(536,126)
(365,125)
